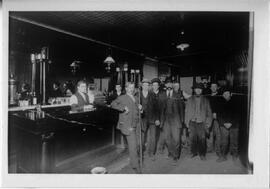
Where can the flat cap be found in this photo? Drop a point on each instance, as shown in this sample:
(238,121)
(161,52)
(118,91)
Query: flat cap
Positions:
(145,80)
(155,80)
(168,80)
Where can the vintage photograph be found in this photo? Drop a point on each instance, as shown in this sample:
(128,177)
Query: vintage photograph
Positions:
(129,92)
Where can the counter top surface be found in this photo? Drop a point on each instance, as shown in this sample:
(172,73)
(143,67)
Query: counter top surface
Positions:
(60,117)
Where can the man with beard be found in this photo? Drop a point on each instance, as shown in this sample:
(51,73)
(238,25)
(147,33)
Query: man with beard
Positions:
(198,118)
(205,89)
(129,124)
(171,121)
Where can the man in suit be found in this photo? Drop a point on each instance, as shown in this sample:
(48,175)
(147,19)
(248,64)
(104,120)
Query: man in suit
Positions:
(154,117)
(128,122)
(177,90)
(80,99)
(198,118)
(171,121)
(213,141)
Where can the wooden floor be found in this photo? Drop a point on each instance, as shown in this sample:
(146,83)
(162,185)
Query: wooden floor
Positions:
(116,161)
(187,165)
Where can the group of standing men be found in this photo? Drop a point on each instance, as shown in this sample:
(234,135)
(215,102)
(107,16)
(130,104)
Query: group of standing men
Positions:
(155,119)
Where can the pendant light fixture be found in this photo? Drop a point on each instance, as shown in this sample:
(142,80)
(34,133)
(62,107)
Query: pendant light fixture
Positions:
(109,61)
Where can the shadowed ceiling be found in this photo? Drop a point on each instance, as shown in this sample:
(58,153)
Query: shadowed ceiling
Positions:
(143,34)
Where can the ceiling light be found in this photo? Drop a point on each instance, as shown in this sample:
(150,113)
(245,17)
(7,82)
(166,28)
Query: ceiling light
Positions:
(109,60)
(182,46)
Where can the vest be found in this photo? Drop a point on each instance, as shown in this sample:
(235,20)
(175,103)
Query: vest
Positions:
(81,101)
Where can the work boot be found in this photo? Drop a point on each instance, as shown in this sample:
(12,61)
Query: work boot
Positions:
(203,158)
(137,170)
(221,159)
(193,155)
(234,157)
(152,157)
(175,160)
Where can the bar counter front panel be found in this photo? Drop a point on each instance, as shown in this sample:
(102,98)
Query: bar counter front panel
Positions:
(44,140)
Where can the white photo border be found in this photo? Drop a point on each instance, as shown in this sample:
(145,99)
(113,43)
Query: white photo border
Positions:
(260,109)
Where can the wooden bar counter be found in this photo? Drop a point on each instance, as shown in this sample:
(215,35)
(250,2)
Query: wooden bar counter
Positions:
(47,138)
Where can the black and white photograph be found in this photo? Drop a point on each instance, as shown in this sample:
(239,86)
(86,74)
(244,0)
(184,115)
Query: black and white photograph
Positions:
(131,92)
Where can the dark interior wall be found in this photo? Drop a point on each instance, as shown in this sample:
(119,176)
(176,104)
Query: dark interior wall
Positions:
(25,38)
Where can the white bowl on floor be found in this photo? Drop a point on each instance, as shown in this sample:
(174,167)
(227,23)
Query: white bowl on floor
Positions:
(99,170)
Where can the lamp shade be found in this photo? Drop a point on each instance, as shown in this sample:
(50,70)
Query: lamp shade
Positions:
(109,60)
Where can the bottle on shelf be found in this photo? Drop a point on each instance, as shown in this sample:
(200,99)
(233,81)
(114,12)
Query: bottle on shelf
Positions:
(34,99)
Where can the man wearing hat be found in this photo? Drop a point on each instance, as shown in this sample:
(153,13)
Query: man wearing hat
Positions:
(128,123)
(198,119)
(154,117)
(229,119)
(213,140)
(172,116)
(205,89)
(145,102)
(179,92)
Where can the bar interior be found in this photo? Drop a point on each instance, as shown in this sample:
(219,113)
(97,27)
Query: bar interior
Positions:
(49,52)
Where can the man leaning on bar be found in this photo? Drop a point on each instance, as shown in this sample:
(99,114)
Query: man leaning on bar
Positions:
(80,100)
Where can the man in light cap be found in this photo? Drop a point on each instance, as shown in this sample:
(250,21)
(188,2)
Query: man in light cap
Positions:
(128,123)
(145,100)
(198,119)
(171,121)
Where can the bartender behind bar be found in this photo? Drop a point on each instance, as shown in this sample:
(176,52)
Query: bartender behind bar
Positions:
(80,100)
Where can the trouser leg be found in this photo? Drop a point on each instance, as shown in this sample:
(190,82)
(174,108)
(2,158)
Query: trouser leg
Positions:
(234,141)
(161,141)
(210,141)
(217,137)
(201,139)
(167,138)
(152,139)
(193,138)
(133,149)
(144,133)
(176,144)
(224,140)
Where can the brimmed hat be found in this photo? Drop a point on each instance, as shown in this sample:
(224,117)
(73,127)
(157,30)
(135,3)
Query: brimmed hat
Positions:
(226,88)
(198,86)
(204,77)
(145,80)
(155,80)
(168,80)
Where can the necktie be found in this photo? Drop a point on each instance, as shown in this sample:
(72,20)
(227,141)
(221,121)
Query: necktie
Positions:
(84,97)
